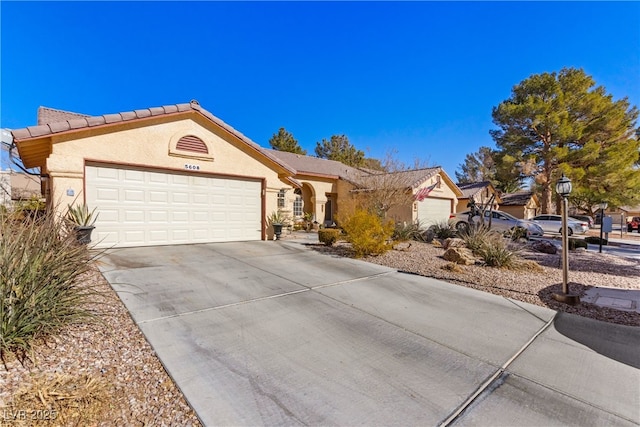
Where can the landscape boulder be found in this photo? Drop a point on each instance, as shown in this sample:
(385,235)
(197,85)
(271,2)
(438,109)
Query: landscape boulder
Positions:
(544,246)
(459,256)
(453,242)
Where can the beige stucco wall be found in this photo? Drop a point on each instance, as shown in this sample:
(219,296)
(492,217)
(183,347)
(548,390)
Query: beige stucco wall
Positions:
(149,146)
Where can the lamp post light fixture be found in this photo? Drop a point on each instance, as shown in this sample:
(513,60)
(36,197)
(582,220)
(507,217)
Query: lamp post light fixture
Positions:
(563,188)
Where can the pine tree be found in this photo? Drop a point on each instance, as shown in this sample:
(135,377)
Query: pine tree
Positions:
(556,123)
(284,141)
(340,149)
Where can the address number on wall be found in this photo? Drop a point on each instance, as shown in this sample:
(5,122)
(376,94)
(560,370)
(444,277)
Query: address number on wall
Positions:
(191,167)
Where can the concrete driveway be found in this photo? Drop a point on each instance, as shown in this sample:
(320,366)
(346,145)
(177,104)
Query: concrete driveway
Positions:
(273,333)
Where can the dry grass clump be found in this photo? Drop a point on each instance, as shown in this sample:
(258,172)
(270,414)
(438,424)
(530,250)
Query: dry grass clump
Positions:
(60,399)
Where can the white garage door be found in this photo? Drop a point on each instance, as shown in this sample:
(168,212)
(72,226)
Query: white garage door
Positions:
(144,208)
(433,211)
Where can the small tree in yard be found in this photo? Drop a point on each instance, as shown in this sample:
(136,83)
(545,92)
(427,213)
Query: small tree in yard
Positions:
(390,189)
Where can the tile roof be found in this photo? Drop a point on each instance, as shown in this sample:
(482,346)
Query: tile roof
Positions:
(472,188)
(409,179)
(317,166)
(516,199)
(67,121)
(51,115)
(361,177)
(64,121)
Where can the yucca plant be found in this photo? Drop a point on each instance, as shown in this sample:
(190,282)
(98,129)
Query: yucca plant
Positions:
(41,266)
(495,252)
(80,216)
(476,237)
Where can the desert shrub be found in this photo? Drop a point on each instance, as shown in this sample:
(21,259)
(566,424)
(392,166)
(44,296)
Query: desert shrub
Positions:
(517,233)
(577,243)
(367,233)
(404,232)
(444,230)
(495,252)
(476,237)
(40,264)
(328,236)
(594,240)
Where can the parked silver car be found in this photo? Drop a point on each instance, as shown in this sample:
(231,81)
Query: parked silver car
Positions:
(500,221)
(553,224)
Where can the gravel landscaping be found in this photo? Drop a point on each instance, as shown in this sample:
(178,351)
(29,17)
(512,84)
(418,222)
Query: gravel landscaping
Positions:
(533,285)
(107,374)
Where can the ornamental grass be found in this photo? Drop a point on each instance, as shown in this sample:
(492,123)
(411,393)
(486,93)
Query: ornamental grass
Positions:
(41,266)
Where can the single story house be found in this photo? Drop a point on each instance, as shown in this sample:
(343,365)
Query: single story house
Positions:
(480,193)
(177,174)
(326,184)
(521,204)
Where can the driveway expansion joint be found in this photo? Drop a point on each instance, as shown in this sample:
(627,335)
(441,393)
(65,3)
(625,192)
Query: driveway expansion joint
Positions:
(494,381)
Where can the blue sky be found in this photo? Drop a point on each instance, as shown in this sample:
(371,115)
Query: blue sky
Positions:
(417,77)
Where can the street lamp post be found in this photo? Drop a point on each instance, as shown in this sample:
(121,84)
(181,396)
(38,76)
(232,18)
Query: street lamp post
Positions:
(602,207)
(563,188)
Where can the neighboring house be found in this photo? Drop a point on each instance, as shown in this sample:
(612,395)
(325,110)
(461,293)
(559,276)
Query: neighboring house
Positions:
(521,204)
(178,174)
(326,184)
(435,195)
(5,187)
(480,193)
(25,186)
(17,186)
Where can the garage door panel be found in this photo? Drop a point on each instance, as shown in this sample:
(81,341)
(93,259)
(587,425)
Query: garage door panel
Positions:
(179,217)
(133,196)
(159,216)
(138,207)
(133,216)
(107,194)
(158,236)
(158,197)
(433,211)
(179,198)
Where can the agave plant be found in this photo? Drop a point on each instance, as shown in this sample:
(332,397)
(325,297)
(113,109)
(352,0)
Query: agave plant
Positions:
(80,216)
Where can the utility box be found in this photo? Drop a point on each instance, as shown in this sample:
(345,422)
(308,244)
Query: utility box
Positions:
(607,224)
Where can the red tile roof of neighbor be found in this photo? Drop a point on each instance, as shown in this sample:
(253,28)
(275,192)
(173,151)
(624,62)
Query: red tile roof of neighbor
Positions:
(52,121)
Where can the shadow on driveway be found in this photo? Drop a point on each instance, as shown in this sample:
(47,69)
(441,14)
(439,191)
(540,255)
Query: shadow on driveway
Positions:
(616,342)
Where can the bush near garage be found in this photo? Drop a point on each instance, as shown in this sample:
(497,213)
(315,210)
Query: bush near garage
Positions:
(41,264)
(368,233)
(329,236)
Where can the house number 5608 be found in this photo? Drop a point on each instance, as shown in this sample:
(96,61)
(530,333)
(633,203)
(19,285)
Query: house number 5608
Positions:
(192,167)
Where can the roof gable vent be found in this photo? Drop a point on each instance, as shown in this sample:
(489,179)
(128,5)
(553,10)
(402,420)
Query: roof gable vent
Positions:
(192,143)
